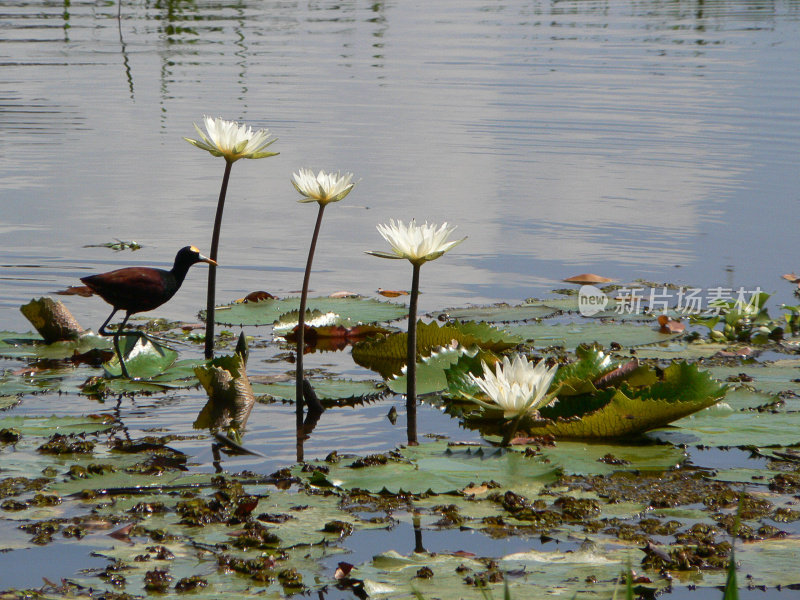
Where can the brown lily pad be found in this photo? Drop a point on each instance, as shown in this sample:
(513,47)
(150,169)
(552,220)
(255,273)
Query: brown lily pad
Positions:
(587,278)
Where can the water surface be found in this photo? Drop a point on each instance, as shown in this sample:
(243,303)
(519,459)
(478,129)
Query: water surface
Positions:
(656,140)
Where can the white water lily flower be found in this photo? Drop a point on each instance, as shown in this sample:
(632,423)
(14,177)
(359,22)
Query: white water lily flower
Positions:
(323,187)
(232,140)
(416,243)
(516,386)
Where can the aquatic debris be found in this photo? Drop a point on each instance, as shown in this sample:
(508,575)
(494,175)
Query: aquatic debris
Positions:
(51,319)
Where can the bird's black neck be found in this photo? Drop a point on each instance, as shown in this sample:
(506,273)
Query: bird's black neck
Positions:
(180,269)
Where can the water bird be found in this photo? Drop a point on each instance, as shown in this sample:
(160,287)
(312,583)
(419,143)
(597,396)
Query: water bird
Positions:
(139,289)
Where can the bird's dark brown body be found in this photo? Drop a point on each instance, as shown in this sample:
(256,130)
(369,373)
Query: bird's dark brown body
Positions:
(134,289)
(139,289)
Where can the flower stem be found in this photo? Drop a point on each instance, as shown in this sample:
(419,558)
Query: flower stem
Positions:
(212,269)
(301,322)
(411,361)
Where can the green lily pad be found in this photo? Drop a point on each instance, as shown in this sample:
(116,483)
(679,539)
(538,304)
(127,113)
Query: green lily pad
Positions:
(324,325)
(499,313)
(737,422)
(47,426)
(387,355)
(434,467)
(635,406)
(581,458)
(431,371)
(680,350)
(143,358)
(266,312)
(392,575)
(31,346)
(123,480)
(573,334)
(770,378)
(330,391)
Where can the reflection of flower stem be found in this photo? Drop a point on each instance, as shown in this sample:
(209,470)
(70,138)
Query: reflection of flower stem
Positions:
(417,524)
(125,60)
(511,429)
(411,362)
(212,269)
(301,321)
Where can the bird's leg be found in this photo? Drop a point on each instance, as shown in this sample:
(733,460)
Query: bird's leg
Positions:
(162,341)
(116,346)
(103,330)
(133,332)
(119,330)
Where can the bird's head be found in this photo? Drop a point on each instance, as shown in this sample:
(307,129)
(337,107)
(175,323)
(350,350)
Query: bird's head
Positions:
(191,255)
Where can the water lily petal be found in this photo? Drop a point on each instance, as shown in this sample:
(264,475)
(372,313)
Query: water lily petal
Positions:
(232,140)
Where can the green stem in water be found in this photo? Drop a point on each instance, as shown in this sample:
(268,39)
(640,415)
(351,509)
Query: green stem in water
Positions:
(411,360)
(301,323)
(212,269)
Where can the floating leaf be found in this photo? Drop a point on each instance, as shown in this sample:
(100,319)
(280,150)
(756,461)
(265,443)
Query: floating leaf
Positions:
(392,293)
(31,346)
(586,332)
(681,391)
(143,358)
(117,245)
(327,331)
(432,370)
(587,279)
(287,322)
(771,377)
(677,349)
(738,422)
(670,325)
(331,392)
(258,296)
(584,412)
(388,355)
(436,467)
(47,426)
(265,312)
(500,313)
(579,377)
(594,458)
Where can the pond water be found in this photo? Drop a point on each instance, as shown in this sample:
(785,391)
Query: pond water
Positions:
(655,140)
